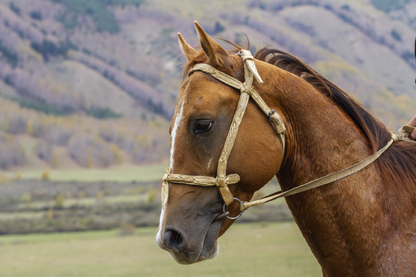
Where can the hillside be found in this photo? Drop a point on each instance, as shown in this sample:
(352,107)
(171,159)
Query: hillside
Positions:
(94,83)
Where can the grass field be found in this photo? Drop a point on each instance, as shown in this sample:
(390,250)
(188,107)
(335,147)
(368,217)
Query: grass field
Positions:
(121,174)
(92,201)
(275,249)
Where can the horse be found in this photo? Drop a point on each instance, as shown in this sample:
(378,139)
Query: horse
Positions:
(361,225)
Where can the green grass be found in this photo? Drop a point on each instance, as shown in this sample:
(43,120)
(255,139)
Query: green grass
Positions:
(276,249)
(122,174)
(86,201)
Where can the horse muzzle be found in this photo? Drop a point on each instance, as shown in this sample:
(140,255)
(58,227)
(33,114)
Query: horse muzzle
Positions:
(191,246)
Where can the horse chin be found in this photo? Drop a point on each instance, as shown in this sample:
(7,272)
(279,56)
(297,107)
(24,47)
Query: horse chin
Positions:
(210,248)
(201,258)
(210,256)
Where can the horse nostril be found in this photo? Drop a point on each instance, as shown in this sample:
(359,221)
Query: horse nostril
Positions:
(173,240)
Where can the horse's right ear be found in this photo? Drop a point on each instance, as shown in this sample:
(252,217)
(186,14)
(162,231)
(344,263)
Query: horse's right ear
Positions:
(187,50)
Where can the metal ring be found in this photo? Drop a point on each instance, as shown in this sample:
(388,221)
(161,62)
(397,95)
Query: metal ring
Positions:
(233,218)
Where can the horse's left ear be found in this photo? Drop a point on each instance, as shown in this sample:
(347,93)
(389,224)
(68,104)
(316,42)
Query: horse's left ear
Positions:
(216,54)
(187,50)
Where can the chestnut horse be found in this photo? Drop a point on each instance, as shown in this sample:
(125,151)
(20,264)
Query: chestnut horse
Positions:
(363,225)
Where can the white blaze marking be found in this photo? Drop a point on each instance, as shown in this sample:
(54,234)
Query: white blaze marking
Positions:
(159,230)
(178,122)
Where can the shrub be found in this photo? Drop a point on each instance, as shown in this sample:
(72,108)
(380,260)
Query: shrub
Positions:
(3,179)
(59,201)
(11,152)
(407,55)
(45,176)
(90,151)
(17,125)
(50,214)
(99,197)
(10,56)
(96,9)
(59,135)
(389,5)
(151,196)
(218,28)
(36,15)
(103,113)
(44,151)
(37,106)
(48,48)
(14,8)
(396,35)
(18,176)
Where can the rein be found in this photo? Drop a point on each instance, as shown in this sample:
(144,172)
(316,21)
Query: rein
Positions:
(222,180)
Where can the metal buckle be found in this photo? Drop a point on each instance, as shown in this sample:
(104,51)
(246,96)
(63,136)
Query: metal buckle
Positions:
(272,112)
(232,218)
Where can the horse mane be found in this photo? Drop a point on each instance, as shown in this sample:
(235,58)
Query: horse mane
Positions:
(399,163)
(373,129)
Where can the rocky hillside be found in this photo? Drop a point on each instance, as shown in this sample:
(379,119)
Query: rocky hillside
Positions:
(94,83)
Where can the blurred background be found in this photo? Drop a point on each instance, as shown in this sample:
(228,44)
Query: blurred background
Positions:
(87,91)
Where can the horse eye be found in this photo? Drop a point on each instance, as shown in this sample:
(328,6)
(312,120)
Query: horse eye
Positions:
(203,126)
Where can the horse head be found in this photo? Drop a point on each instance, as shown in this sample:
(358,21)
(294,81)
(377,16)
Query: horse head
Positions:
(190,223)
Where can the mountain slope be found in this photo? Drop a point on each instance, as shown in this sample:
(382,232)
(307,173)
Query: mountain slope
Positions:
(89,79)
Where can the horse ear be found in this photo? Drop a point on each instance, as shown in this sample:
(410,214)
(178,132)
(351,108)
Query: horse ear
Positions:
(187,50)
(216,54)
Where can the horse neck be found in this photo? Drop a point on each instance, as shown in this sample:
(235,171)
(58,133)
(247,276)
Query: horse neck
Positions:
(322,139)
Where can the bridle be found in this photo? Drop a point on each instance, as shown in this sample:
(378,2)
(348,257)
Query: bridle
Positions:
(223,180)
